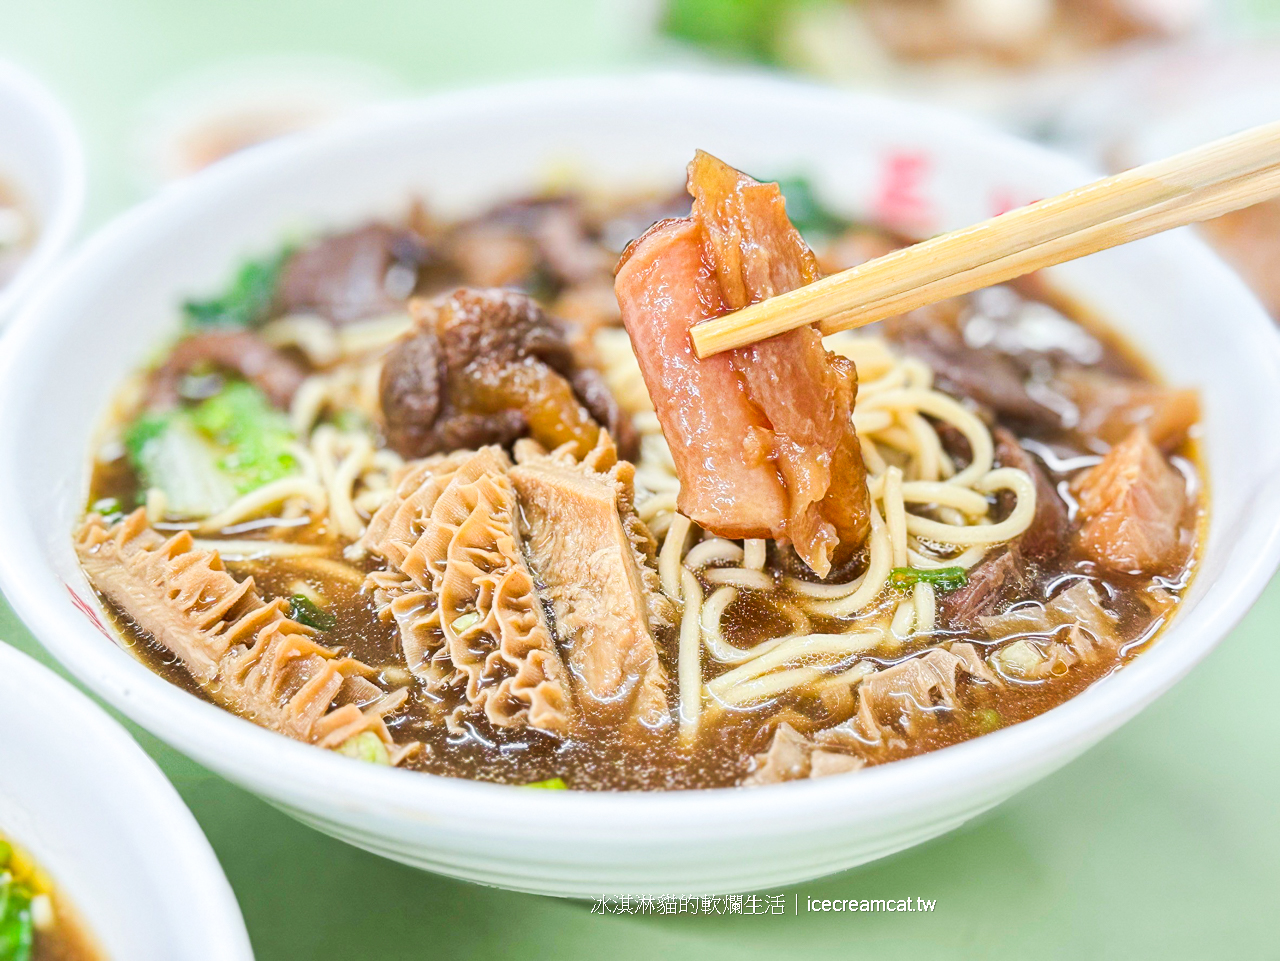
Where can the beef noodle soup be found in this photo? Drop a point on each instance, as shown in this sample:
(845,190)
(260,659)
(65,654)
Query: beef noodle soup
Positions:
(36,924)
(17,231)
(458,497)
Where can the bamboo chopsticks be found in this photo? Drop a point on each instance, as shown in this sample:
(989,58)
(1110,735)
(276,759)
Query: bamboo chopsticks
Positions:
(1200,184)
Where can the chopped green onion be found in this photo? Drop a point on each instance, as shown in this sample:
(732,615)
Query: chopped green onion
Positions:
(365,746)
(988,720)
(110,509)
(460,624)
(942,578)
(304,610)
(550,784)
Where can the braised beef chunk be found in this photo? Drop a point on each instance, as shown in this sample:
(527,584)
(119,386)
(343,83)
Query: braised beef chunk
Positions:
(762,437)
(983,375)
(589,384)
(664,288)
(1047,535)
(1132,505)
(990,583)
(356,275)
(511,242)
(486,367)
(275,373)
(1110,407)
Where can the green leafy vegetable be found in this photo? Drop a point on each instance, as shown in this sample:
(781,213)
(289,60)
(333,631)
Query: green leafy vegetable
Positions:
(942,578)
(988,720)
(17,932)
(168,453)
(256,437)
(247,302)
(365,746)
(550,784)
(305,611)
(204,457)
(806,212)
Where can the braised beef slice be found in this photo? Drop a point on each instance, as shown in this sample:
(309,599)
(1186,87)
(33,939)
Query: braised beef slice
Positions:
(349,277)
(985,376)
(275,373)
(1132,505)
(1047,535)
(486,367)
(989,582)
(762,437)
(549,235)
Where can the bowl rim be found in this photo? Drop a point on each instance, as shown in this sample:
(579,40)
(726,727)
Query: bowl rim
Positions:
(177,845)
(295,770)
(58,229)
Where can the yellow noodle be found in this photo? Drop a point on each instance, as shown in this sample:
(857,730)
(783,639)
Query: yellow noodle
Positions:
(313,336)
(1003,478)
(766,687)
(824,646)
(689,667)
(250,550)
(712,550)
(254,503)
(926,606)
(669,556)
(739,577)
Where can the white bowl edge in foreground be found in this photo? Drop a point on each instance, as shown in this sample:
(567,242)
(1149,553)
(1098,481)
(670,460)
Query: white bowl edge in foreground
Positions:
(82,798)
(869,155)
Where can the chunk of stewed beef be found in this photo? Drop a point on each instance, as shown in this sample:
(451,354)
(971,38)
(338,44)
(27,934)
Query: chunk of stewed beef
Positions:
(243,352)
(1110,407)
(1047,535)
(1132,504)
(487,367)
(355,275)
(990,582)
(985,376)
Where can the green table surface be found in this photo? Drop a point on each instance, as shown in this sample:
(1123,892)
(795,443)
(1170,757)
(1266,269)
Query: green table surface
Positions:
(1161,842)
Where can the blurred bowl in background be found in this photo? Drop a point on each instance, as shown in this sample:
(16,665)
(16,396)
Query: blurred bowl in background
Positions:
(42,184)
(218,111)
(81,798)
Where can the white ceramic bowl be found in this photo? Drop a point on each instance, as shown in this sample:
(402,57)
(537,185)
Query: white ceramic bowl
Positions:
(39,154)
(80,796)
(112,304)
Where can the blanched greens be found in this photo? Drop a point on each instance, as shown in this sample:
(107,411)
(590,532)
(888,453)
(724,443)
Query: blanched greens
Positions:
(203,457)
(365,746)
(247,302)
